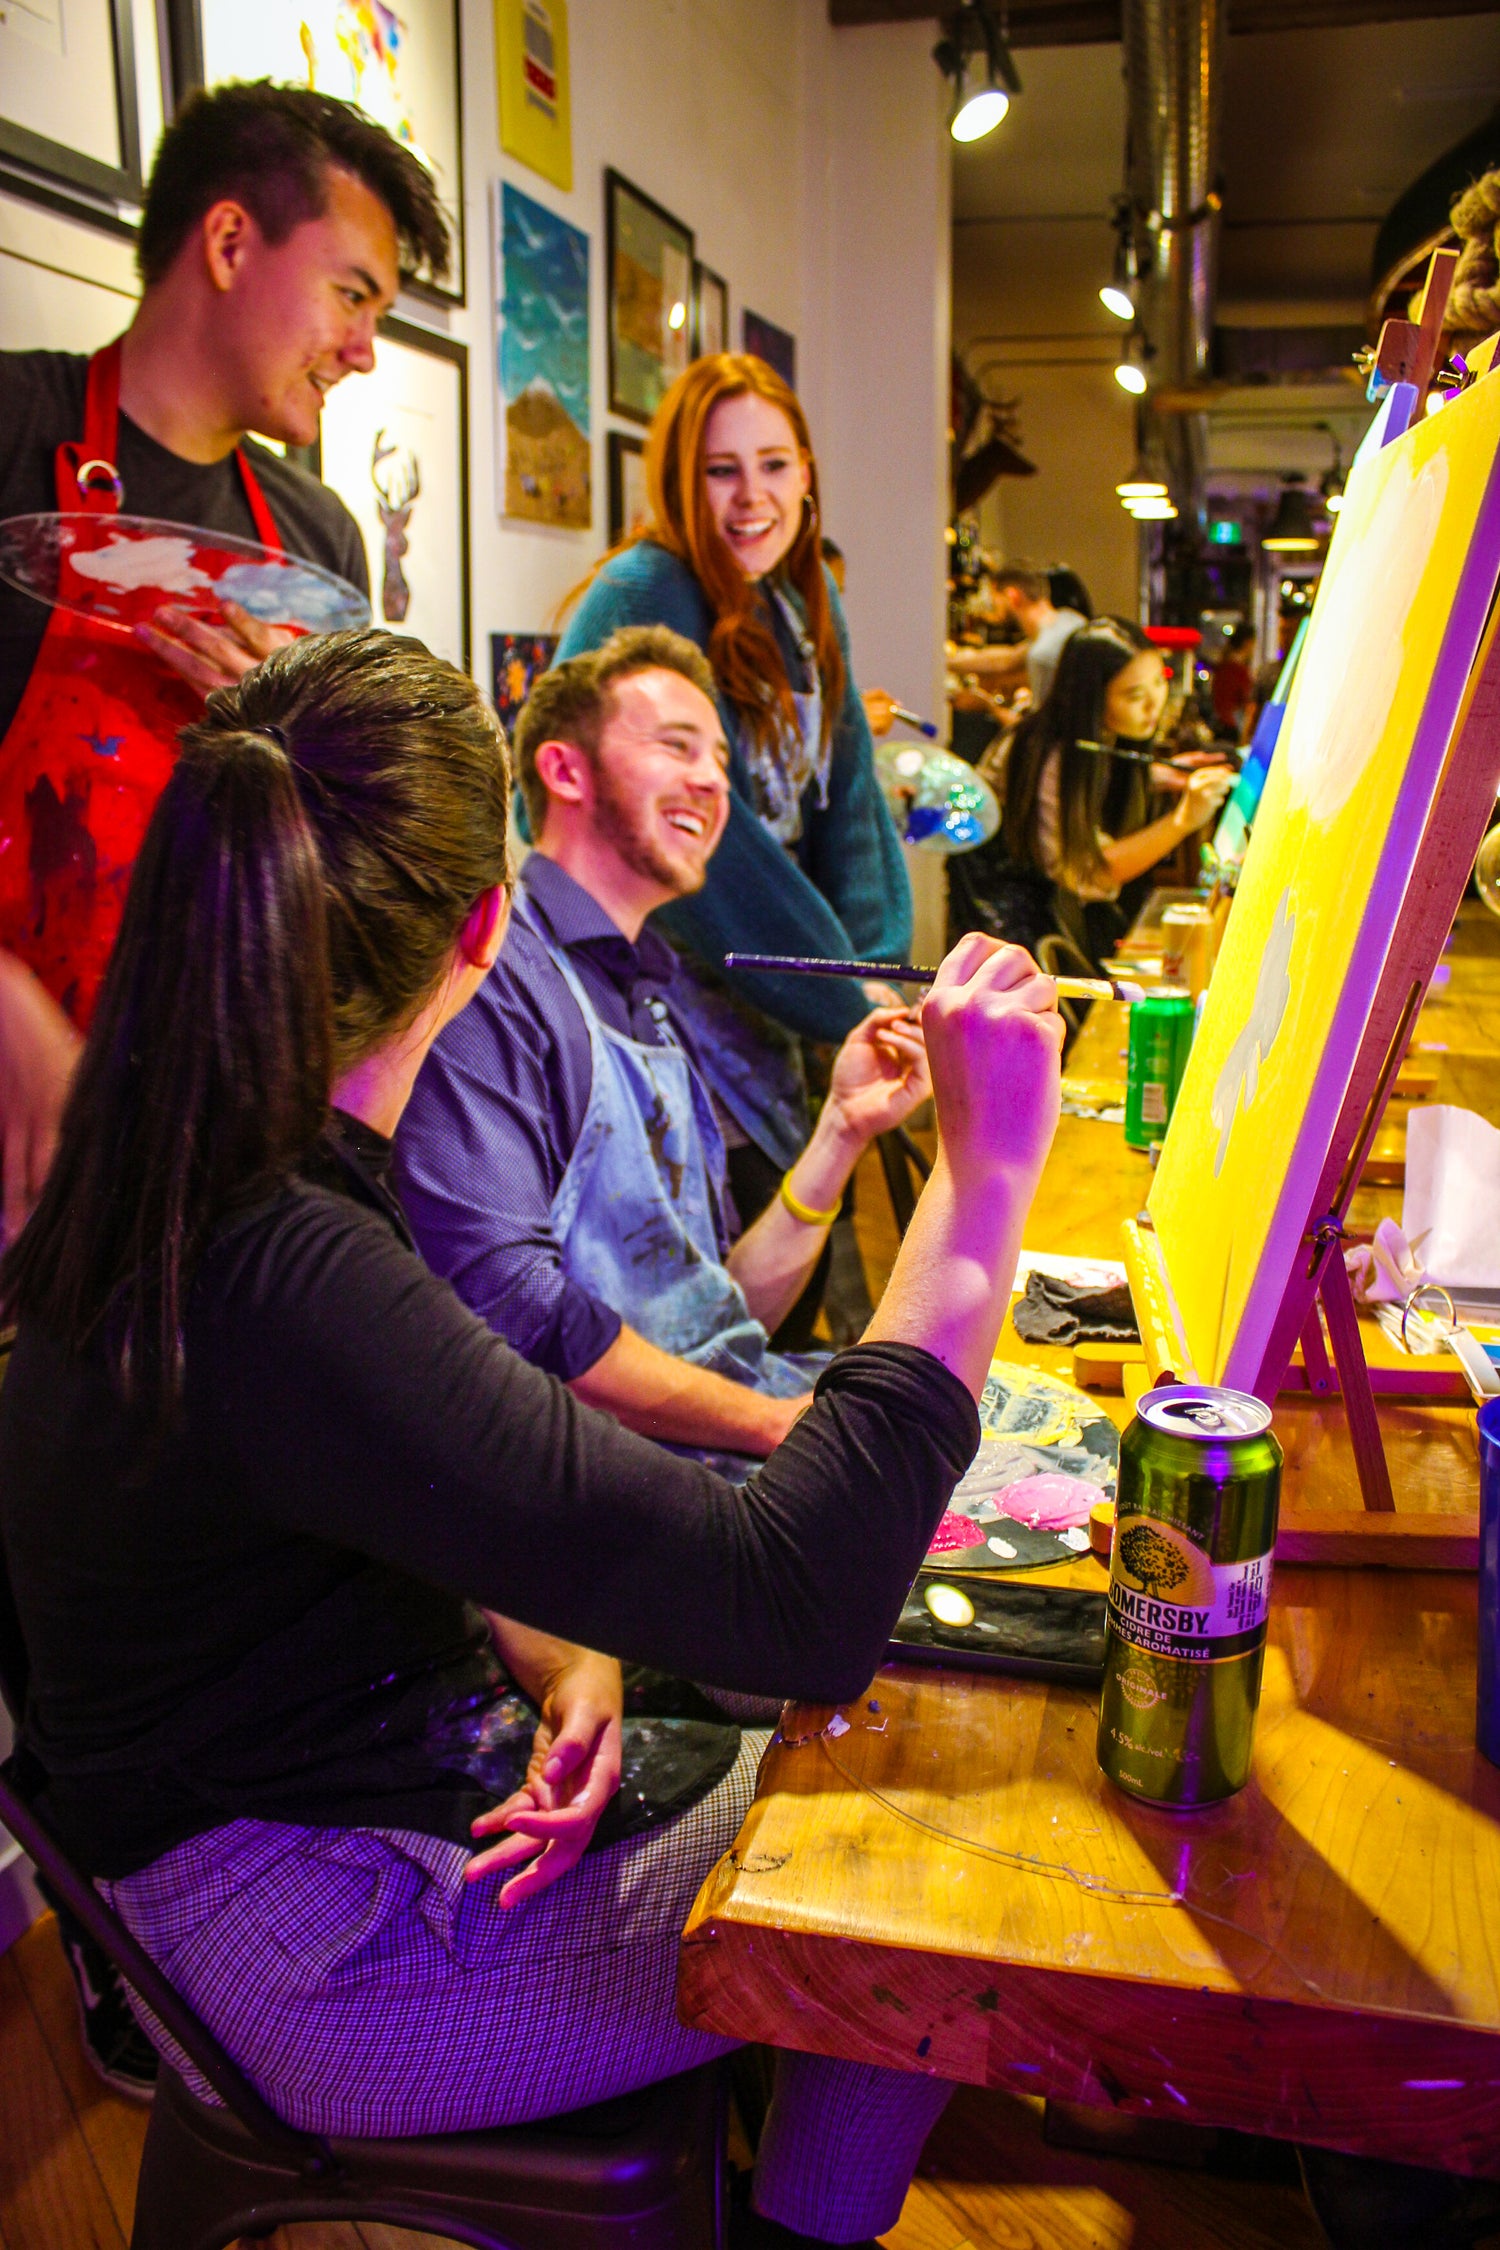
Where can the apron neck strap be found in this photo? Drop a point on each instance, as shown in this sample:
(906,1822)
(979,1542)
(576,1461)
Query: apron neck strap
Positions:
(87,476)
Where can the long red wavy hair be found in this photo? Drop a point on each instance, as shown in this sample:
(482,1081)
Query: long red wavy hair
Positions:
(742,647)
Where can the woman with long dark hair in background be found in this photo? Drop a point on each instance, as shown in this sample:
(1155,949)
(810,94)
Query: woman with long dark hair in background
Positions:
(1076,820)
(258,1466)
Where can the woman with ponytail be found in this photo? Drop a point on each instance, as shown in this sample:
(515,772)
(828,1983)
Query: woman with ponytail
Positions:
(313,1572)
(809,862)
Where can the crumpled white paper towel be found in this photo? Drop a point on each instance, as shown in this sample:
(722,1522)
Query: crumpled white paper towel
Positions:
(1451,1211)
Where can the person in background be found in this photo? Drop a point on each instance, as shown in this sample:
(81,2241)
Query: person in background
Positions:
(275,222)
(1234,685)
(1026,591)
(809,862)
(373,1834)
(1068,591)
(1074,819)
(559,1159)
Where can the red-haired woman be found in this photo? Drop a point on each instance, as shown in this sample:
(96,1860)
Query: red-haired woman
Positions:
(810,862)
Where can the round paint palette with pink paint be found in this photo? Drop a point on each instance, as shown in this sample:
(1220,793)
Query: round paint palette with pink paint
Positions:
(1047,1453)
(120,570)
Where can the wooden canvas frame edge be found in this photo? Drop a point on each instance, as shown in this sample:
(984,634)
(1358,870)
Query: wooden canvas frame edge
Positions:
(185,56)
(614,180)
(70,168)
(702,273)
(617,444)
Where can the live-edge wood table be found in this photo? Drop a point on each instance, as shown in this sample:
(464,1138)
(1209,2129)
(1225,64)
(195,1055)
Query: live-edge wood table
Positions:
(947,1883)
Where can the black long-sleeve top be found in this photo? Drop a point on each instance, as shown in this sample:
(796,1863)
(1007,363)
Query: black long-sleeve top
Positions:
(263,1615)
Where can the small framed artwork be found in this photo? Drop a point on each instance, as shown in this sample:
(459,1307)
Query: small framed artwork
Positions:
(68,97)
(629,509)
(516,659)
(401,70)
(650,299)
(395,448)
(776,346)
(542,302)
(710,311)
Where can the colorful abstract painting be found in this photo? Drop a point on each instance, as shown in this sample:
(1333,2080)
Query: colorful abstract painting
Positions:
(399,64)
(542,310)
(776,346)
(515,661)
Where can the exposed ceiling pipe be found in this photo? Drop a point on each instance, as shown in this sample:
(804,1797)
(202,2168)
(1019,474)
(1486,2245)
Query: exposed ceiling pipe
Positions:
(1174,74)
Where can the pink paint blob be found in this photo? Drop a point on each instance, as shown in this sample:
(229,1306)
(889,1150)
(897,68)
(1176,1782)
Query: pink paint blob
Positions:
(1049,1502)
(956,1532)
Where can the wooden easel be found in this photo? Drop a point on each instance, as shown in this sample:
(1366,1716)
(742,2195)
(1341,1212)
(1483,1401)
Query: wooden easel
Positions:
(1317,1291)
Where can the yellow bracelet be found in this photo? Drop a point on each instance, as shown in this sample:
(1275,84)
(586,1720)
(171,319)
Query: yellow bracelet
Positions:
(804,1211)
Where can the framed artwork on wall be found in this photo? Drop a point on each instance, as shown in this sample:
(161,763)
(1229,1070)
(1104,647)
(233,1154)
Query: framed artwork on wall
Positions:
(402,70)
(531,66)
(68,106)
(650,288)
(776,346)
(542,310)
(629,508)
(710,311)
(395,448)
(515,661)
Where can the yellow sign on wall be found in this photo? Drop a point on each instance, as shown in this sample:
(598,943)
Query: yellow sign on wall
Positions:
(531,63)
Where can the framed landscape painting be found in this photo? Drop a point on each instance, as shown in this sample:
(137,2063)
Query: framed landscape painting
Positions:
(68,100)
(395,448)
(542,309)
(650,299)
(401,69)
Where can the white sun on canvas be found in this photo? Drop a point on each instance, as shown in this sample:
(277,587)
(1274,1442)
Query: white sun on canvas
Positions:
(1370,714)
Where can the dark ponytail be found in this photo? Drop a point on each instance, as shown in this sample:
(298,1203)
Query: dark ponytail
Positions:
(329,825)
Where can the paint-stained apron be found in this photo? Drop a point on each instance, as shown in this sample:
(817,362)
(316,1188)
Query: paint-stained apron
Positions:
(635,1210)
(91,745)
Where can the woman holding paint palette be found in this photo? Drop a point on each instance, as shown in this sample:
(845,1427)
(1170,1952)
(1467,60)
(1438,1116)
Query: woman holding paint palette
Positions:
(1076,819)
(258,1466)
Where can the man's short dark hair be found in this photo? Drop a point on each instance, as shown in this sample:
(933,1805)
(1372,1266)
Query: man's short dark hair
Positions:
(571,703)
(271,148)
(1028,579)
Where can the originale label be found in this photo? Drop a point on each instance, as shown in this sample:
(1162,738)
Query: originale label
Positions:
(1167,1598)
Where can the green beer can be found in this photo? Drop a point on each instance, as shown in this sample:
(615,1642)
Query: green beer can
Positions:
(1189,1593)
(1161,1032)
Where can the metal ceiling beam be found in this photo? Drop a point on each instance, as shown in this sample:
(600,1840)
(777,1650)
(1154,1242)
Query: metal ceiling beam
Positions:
(1075,23)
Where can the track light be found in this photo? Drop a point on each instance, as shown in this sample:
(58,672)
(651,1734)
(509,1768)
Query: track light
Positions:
(1332,486)
(1130,375)
(974,55)
(1119,292)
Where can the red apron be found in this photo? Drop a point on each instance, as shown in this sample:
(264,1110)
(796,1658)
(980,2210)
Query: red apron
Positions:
(90,747)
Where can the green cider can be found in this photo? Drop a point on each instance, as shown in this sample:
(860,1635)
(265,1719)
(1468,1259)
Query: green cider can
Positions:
(1189,1592)
(1161,1032)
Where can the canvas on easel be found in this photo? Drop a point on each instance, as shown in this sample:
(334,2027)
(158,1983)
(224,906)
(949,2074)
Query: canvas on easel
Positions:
(1373,810)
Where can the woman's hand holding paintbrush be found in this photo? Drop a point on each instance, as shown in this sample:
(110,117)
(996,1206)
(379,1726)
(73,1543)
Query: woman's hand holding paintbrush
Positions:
(904,972)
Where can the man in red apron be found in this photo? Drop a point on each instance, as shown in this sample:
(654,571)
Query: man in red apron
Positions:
(275,224)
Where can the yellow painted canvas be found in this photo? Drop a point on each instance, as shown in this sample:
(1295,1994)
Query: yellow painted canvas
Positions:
(1399,615)
(531,65)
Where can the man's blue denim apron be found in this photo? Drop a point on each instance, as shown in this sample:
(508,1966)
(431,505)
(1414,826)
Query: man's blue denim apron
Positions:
(635,1209)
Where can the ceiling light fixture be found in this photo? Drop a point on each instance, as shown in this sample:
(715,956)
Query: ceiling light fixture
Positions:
(1129,373)
(973,53)
(1291,529)
(1119,292)
(1151,511)
(1332,486)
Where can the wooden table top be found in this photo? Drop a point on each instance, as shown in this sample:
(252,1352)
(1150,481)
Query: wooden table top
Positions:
(947,1883)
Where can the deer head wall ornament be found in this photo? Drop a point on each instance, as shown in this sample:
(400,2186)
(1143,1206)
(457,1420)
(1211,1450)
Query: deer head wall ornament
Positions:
(394,499)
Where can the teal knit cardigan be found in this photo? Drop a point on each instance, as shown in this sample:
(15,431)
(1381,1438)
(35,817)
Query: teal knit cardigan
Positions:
(840,893)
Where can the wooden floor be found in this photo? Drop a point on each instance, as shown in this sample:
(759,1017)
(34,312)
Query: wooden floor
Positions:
(69,2150)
